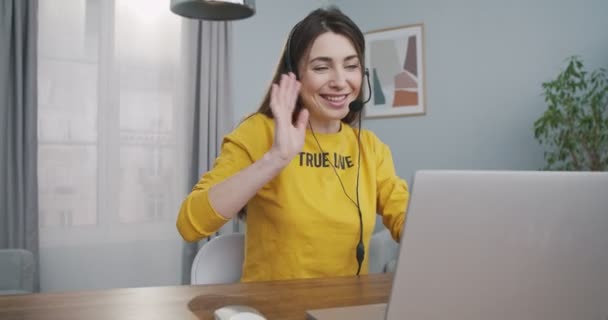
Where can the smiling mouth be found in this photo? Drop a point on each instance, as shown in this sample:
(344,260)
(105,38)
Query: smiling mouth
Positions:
(336,101)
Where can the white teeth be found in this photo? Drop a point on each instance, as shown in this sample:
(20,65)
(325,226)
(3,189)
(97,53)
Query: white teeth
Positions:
(335,98)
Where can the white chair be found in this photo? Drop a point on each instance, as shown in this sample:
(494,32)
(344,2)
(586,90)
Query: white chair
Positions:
(220,260)
(383,252)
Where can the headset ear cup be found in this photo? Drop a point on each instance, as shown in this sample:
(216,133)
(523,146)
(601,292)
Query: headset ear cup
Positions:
(286,63)
(287,59)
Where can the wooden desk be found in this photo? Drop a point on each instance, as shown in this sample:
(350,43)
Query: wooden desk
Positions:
(276,300)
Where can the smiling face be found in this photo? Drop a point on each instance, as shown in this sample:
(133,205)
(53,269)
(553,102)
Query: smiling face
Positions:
(331,78)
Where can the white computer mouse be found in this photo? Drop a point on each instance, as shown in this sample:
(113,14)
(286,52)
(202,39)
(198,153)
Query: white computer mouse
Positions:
(237,312)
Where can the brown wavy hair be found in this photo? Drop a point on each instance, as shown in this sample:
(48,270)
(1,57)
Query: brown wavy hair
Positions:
(301,38)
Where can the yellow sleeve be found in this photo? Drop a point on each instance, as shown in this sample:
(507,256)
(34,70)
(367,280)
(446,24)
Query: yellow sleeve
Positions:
(393,193)
(197,219)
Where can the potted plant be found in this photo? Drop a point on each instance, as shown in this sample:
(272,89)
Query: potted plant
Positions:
(574,128)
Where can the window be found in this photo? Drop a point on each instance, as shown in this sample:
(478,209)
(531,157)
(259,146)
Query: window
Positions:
(110,158)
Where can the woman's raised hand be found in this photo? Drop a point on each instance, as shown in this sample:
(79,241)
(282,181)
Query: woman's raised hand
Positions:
(288,136)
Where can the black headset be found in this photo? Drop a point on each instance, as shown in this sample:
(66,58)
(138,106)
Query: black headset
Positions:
(354,106)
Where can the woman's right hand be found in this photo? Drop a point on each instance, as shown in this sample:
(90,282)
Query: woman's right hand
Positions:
(288,138)
(233,193)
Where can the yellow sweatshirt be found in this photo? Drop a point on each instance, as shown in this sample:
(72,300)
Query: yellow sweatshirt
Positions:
(301,224)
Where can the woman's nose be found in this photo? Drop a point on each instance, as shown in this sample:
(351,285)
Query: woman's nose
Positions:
(338,79)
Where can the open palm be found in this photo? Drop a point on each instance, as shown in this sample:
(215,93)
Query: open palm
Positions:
(288,138)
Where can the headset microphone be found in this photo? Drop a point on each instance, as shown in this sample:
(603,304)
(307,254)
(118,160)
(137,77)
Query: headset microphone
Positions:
(357,105)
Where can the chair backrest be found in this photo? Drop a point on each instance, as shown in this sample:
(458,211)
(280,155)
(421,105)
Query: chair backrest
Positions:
(17,270)
(383,252)
(219,261)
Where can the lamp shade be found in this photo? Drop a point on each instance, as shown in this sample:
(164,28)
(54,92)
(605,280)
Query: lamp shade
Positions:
(214,9)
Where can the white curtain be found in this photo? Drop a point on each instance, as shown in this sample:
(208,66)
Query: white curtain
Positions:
(115,142)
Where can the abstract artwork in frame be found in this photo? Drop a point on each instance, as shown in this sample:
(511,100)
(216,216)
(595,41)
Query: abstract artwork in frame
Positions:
(395,59)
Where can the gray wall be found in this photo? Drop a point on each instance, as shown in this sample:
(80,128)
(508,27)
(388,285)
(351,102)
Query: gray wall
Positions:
(485,64)
(110,265)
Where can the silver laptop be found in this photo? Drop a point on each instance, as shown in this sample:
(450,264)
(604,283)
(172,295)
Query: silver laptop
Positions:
(499,245)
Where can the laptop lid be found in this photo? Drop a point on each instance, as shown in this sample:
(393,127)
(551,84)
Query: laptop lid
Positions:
(361,312)
(504,245)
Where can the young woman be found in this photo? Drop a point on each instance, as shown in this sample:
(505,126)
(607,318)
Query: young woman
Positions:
(311,182)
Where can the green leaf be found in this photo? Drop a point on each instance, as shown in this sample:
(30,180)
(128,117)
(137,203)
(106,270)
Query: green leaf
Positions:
(576,119)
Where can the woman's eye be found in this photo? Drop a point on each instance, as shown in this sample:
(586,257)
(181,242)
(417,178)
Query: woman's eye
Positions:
(320,68)
(353,67)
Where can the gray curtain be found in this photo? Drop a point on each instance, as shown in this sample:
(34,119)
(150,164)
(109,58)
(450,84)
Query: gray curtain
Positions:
(207,98)
(18,126)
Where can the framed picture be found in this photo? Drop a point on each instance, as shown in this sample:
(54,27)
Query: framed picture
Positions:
(395,60)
